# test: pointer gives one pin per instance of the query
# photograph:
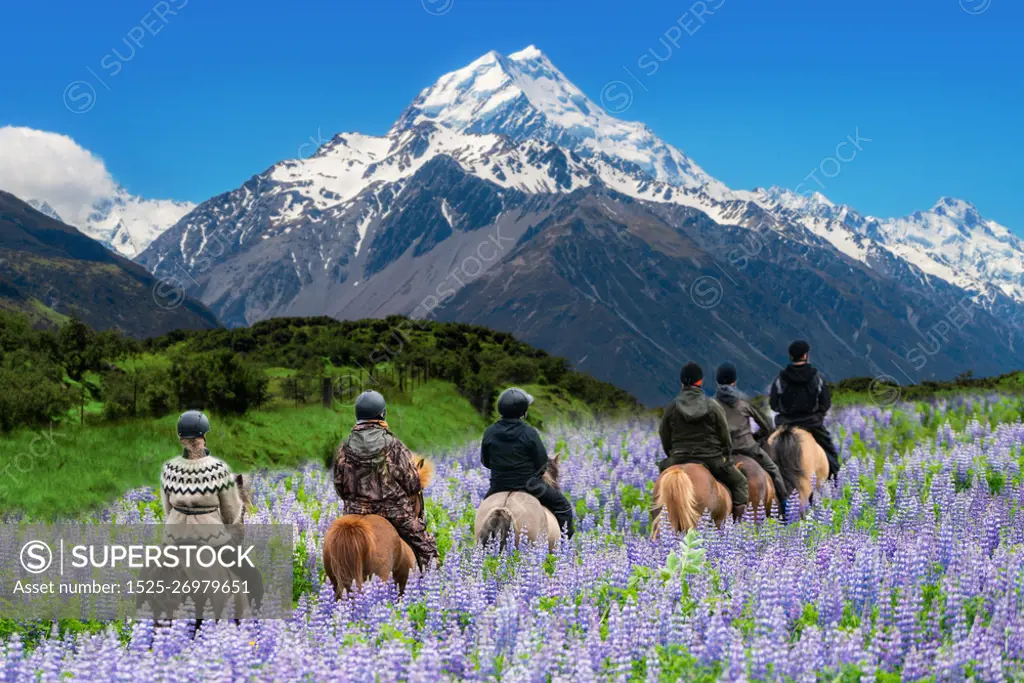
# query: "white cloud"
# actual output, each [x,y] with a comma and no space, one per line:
[36,164]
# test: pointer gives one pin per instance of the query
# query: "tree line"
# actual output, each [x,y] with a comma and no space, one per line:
[46,373]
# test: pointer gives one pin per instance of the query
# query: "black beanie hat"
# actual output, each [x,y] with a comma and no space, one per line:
[691,374]
[798,349]
[726,373]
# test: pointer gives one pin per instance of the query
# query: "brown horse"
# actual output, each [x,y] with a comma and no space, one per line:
[358,547]
[760,486]
[800,460]
[686,491]
[504,512]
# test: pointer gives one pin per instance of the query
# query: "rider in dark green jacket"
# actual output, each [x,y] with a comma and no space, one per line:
[694,430]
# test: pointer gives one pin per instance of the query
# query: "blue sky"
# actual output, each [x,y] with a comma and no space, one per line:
[759,95]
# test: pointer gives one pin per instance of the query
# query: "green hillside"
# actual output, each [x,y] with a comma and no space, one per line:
[88,416]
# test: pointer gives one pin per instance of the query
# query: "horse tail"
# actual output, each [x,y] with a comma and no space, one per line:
[497,525]
[788,455]
[424,468]
[677,494]
[347,550]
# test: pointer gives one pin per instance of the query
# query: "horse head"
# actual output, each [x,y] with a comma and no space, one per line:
[244,484]
[554,469]
[424,468]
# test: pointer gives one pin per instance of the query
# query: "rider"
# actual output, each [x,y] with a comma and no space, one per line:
[694,429]
[197,488]
[801,398]
[738,413]
[375,475]
[514,453]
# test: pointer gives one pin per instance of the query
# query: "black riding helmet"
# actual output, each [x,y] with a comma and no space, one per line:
[514,402]
[192,424]
[370,405]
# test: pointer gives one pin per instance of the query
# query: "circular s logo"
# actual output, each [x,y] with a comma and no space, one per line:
[884,391]
[706,291]
[79,97]
[616,97]
[36,557]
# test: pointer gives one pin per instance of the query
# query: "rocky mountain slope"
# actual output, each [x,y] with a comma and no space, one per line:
[504,196]
[50,270]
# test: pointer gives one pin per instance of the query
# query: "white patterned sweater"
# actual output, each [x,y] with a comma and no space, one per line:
[204,487]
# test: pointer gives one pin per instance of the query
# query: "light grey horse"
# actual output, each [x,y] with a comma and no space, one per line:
[520,513]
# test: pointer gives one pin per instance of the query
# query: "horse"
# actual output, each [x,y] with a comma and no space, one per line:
[761,489]
[358,547]
[687,490]
[520,512]
[800,459]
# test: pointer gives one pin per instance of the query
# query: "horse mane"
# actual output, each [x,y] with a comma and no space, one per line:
[425,469]
[787,450]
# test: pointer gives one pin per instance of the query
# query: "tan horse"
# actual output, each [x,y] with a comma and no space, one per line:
[800,459]
[358,547]
[520,513]
[686,491]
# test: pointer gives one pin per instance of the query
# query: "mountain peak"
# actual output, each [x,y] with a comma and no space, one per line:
[951,206]
[524,96]
[528,53]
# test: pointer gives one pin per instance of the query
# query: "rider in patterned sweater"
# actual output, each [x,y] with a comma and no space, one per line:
[801,398]
[375,475]
[197,488]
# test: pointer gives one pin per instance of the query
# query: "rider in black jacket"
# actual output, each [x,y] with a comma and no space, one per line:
[514,453]
[801,398]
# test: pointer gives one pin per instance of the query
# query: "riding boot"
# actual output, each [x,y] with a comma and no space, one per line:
[738,510]
[782,508]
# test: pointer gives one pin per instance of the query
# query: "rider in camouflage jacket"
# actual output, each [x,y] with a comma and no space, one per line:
[375,475]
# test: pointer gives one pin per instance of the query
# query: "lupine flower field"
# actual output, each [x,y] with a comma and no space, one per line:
[910,567]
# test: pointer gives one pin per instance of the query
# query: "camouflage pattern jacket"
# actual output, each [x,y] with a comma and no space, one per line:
[373,470]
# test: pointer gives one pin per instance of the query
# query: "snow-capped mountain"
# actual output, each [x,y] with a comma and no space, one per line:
[45,209]
[128,224]
[504,196]
[951,241]
[124,222]
[523,96]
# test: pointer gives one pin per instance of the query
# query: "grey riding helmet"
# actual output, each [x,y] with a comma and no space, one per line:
[514,402]
[192,424]
[370,405]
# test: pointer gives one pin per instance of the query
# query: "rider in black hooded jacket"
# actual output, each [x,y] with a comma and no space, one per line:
[801,398]
[514,453]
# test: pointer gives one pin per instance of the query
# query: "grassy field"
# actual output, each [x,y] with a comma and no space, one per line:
[70,469]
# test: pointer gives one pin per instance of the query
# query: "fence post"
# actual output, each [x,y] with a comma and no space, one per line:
[325,392]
